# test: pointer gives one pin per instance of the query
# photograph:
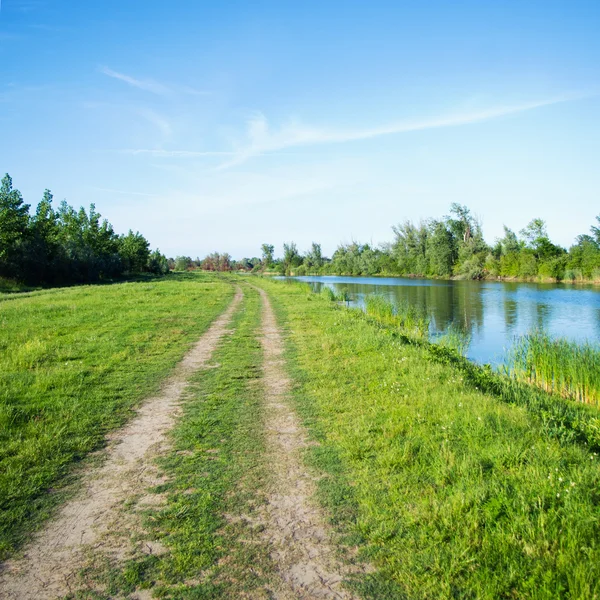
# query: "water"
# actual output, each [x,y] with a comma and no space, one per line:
[492,313]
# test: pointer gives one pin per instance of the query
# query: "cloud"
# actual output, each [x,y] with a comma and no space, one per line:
[261,138]
[173,153]
[156,120]
[122,192]
[150,85]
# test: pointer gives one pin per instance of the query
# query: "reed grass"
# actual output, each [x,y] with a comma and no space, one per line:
[557,366]
[456,339]
[409,319]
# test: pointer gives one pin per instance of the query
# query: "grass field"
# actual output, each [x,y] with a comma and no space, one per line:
[450,491]
[74,362]
[450,480]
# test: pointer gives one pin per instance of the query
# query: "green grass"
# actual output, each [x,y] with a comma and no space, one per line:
[449,490]
[74,362]
[215,468]
[559,366]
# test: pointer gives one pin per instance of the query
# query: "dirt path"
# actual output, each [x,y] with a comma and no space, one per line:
[51,562]
[294,527]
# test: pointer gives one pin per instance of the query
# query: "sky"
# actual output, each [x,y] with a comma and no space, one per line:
[219,126]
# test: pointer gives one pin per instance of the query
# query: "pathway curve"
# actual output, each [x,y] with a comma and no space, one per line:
[295,529]
[51,562]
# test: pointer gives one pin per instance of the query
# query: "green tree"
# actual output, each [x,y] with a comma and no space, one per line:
[14,227]
[314,257]
[441,249]
[183,263]
[158,263]
[267,255]
[291,257]
[134,250]
[409,248]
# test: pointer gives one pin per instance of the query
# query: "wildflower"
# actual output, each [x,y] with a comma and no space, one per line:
[558,495]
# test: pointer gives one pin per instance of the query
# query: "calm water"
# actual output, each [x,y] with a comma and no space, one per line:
[493,313]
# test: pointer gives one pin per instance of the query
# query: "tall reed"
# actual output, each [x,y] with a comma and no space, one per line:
[455,338]
[410,319]
[557,365]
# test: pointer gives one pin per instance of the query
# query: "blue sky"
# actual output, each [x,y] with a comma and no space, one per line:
[223,125]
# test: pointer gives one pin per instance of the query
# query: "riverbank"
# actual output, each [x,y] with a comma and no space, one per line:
[450,490]
[549,280]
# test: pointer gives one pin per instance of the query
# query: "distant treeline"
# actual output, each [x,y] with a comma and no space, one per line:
[65,245]
[452,246]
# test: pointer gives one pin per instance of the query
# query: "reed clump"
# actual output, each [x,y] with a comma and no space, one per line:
[406,317]
[328,294]
[557,366]
[456,339]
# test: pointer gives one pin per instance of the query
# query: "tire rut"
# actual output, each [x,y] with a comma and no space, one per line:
[295,528]
[50,563]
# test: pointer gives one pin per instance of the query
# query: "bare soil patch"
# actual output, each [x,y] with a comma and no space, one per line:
[49,566]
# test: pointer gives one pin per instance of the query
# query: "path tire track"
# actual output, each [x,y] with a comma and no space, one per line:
[295,528]
[52,560]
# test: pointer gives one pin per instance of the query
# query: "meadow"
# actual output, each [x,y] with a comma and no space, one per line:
[74,363]
[448,479]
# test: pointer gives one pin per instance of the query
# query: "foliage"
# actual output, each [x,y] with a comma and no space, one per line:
[65,246]
[454,247]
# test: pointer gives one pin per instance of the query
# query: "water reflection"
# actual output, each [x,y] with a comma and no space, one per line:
[491,313]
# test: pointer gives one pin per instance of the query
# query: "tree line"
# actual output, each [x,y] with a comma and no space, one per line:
[452,246]
[63,245]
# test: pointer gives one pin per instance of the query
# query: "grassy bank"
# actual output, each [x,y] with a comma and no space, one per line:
[213,475]
[74,363]
[449,490]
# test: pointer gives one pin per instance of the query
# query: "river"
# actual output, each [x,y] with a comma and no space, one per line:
[492,313]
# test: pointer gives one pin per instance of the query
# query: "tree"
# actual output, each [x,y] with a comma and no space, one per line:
[158,263]
[409,249]
[314,257]
[291,257]
[267,255]
[183,263]
[536,238]
[134,250]
[14,223]
[464,226]
[441,249]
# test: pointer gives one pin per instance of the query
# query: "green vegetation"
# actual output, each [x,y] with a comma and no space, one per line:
[437,469]
[215,468]
[73,364]
[453,246]
[57,247]
[406,317]
[558,365]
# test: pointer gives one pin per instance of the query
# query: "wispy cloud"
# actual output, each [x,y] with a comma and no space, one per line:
[148,85]
[173,153]
[261,138]
[157,120]
[151,85]
[122,192]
